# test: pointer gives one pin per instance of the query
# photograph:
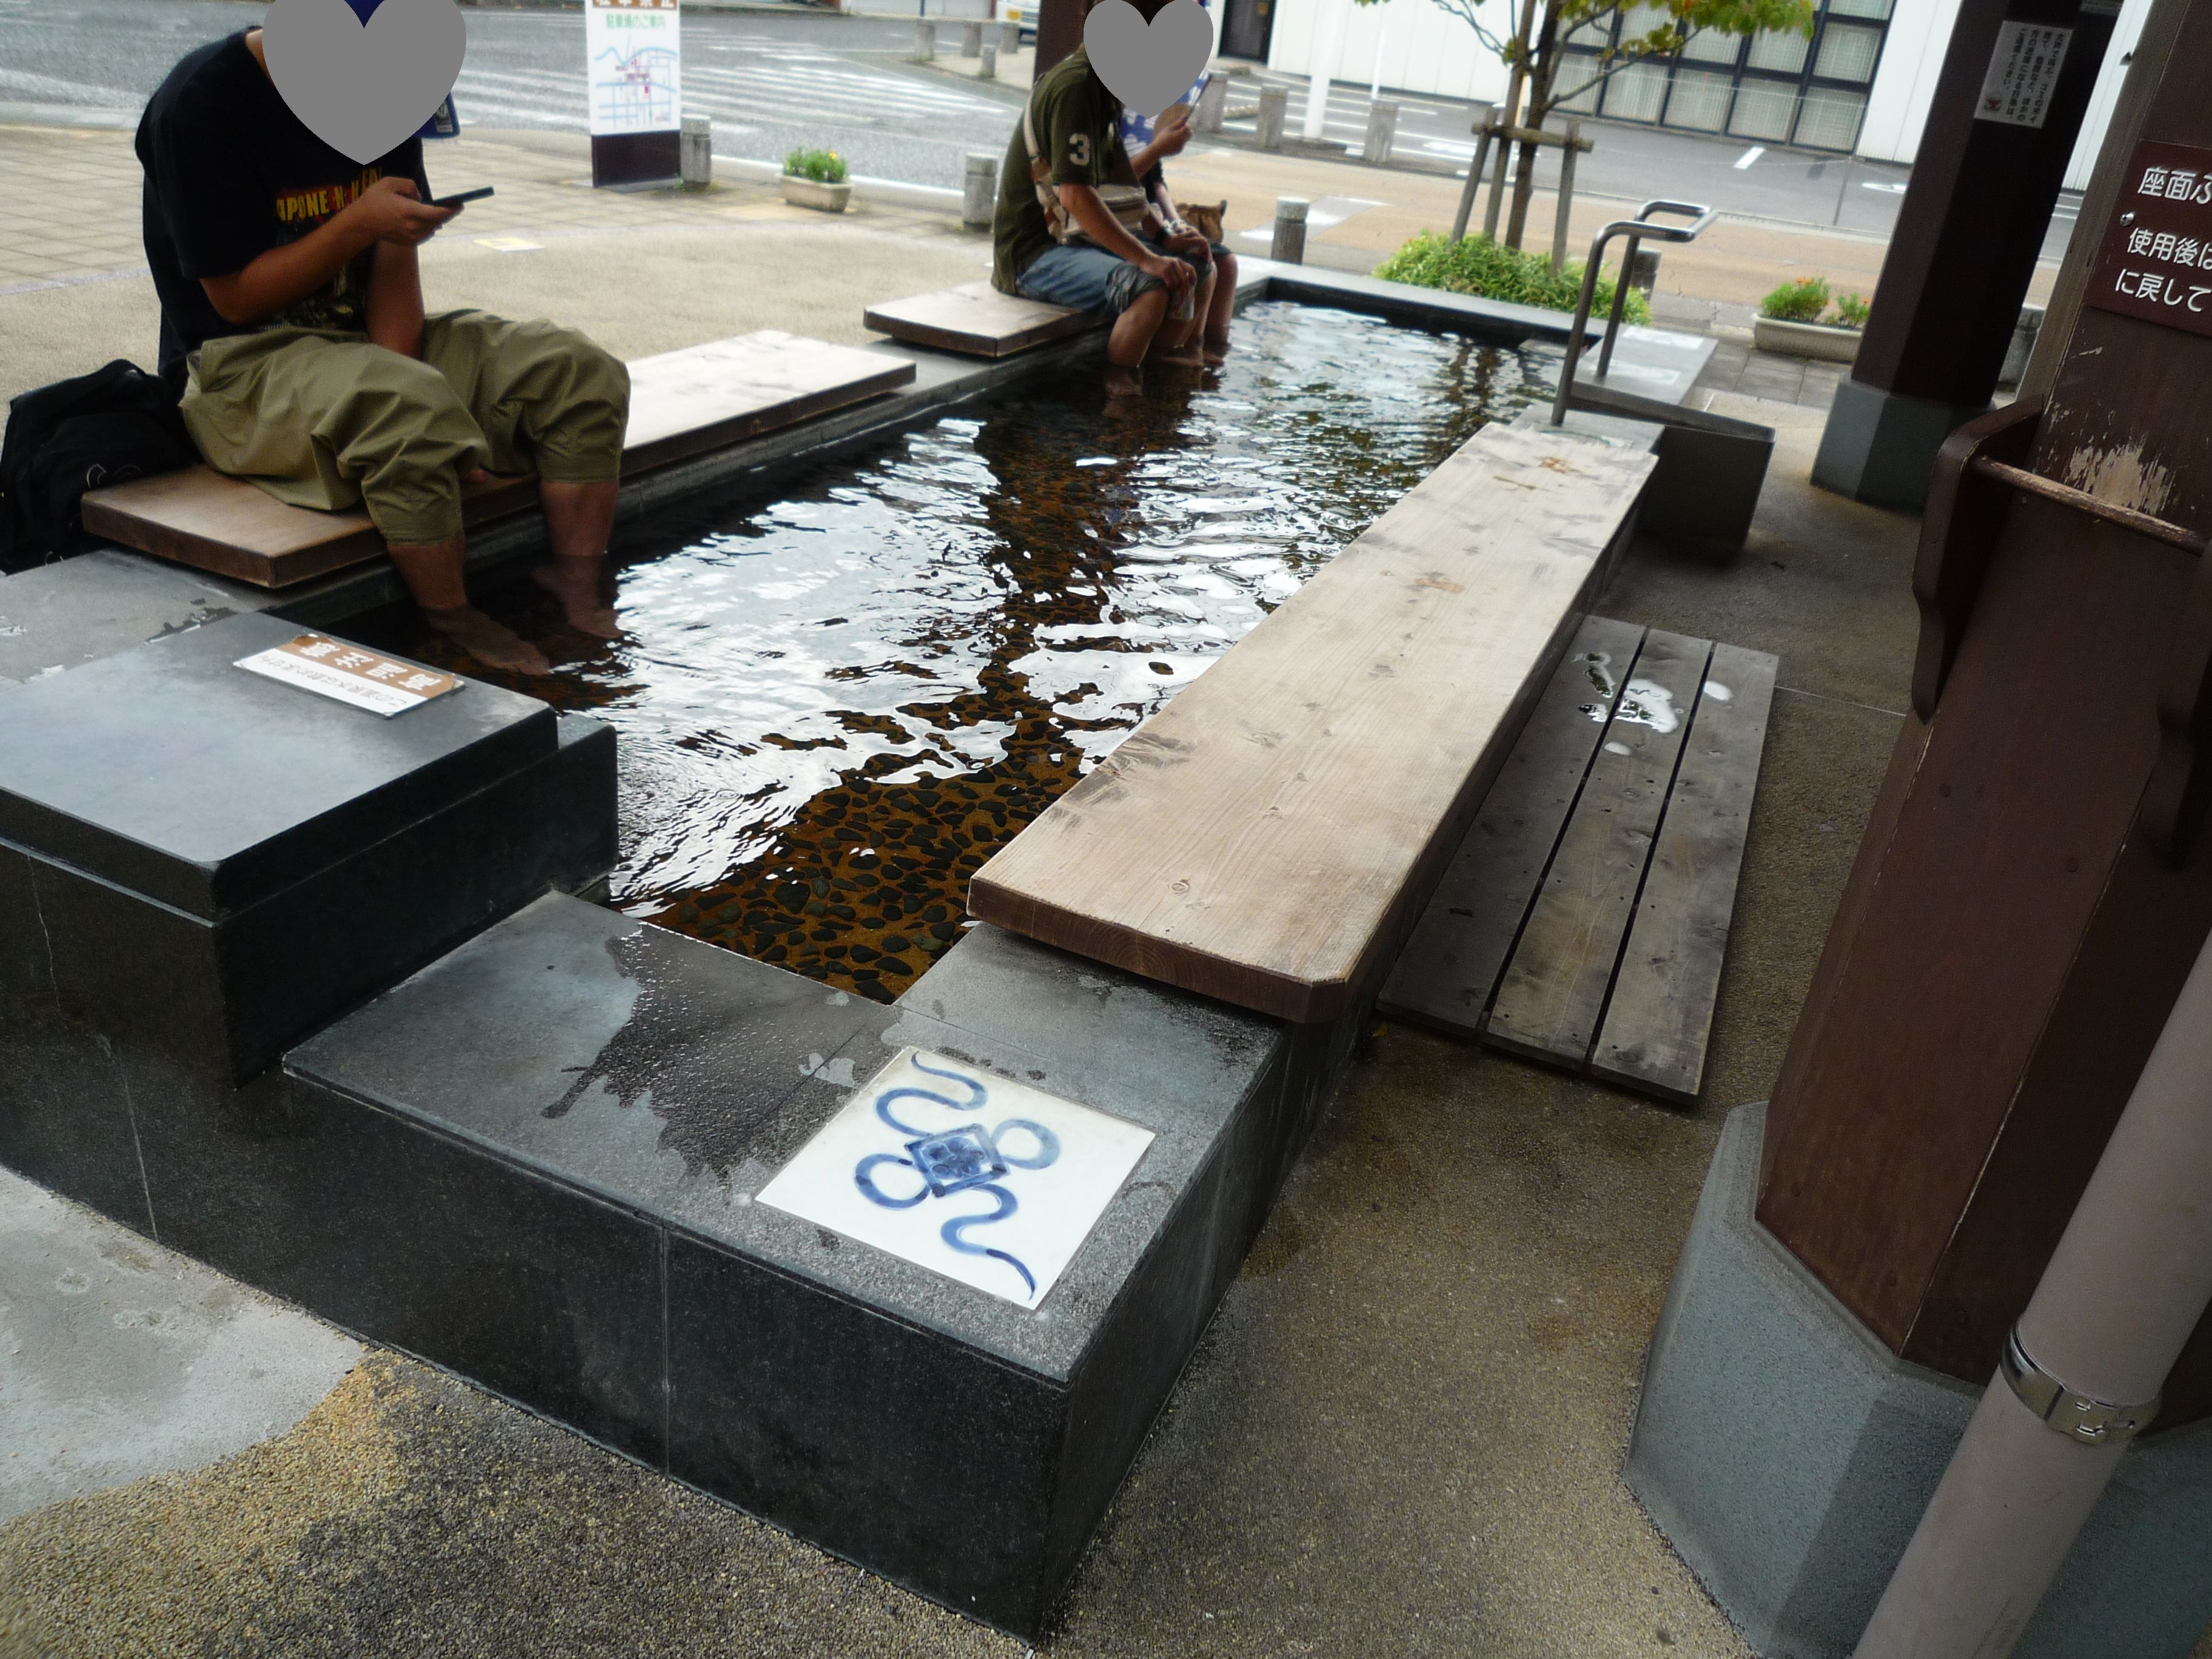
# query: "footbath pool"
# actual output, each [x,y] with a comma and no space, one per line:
[834,705]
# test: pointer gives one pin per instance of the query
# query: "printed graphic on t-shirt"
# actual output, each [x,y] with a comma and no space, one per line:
[342,303]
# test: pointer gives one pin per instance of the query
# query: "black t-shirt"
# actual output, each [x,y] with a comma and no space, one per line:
[231,173]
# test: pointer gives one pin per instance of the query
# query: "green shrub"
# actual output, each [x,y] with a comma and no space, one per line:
[823,167]
[1851,310]
[1800,301]
[1479,266]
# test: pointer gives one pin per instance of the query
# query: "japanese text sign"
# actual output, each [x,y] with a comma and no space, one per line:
[2156,263]
[2023,72]
[633,57]
[351,674]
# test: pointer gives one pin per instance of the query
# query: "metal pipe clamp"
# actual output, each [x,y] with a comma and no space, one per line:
[2077,1416]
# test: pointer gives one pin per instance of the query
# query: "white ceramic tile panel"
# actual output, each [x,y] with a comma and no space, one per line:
[969,1174]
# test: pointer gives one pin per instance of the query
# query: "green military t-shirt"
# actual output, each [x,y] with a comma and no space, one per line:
[1078,125]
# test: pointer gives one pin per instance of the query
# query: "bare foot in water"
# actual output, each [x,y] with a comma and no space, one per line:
[490,643]
[1216,351]
[1123,382]
[577,590]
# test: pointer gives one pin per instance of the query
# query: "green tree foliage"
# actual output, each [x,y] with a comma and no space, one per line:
[1479,266]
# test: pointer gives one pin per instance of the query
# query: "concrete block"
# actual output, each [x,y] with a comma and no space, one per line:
[944,1437]
[269,855]
[1787,1455]
[1880,446]
[59,615]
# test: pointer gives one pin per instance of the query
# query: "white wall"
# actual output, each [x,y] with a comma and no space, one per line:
[1912,56]
[1425,49]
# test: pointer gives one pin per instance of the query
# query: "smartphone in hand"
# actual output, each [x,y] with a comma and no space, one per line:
[465,196]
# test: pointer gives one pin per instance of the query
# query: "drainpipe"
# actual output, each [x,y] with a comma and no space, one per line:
[2081,1371]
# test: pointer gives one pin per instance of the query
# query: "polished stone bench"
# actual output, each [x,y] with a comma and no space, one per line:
[976,320]
[683,404]
[1269,837]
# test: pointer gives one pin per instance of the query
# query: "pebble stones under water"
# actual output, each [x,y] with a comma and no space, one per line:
[835,706]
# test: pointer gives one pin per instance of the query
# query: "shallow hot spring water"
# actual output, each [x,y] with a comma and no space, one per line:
[834,707]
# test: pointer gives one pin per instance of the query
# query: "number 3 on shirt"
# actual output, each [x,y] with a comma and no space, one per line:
[1078,149]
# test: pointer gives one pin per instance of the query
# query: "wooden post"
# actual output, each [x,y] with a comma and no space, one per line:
[1559,225]
[1485,116]
[1510,116]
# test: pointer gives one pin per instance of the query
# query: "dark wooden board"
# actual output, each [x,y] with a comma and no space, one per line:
[1661,1011]
[1554,993]
[1258,839]
[682,403]
[976,319]
[1445,974]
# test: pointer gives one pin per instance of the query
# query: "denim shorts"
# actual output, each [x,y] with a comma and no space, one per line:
[1088,278]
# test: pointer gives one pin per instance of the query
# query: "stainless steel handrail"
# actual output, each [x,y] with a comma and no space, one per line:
[1636,230]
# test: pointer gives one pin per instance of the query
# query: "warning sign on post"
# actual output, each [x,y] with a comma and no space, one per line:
[2023,74]
[332,668]
[2156,262]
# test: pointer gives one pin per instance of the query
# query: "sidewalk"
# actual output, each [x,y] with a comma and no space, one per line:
[642,272]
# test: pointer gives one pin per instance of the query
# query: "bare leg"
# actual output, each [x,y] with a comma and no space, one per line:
[432,571]
[578,518]
[1175,342]
[1218,317]
[1132,337]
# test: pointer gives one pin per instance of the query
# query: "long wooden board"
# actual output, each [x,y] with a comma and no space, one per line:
[976,319]
[1660,1014]
[1445,974]
[1550,1001]
[1263,837]
[682,403]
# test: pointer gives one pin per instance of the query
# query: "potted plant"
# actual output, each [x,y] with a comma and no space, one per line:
[816,178]
[1790,321]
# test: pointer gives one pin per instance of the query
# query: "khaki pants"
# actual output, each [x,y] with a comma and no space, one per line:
[326,420]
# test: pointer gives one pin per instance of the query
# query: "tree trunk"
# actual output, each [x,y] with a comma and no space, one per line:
[1543,73]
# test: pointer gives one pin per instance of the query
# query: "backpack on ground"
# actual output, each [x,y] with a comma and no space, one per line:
[106,428]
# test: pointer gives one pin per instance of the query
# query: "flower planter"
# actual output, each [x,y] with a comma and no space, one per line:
[1828,343]
[805,193]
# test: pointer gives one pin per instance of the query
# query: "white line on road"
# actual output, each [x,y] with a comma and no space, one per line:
[1749,156]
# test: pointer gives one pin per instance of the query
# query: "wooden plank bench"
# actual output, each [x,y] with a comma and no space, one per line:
[1268,837]
[977,320]
[682,404]
[1585,920]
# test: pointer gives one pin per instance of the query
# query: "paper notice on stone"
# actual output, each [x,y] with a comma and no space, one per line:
[351,674]
[2023,74]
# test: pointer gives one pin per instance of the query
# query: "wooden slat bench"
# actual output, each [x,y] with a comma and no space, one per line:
[1584,919]
[977,320]
[1266,838]
[682,404]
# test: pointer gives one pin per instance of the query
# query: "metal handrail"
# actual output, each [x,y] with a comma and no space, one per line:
[1636,230]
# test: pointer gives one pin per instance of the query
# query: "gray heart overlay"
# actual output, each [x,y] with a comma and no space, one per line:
[361,89]
[1146,66]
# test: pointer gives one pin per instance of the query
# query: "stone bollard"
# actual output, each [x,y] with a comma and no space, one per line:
[1010,37]
[1381,134]
[925,42]
[971,37]
[990,70]
[1212,104]
[695,157]
[1290,246]
[980,198]
[1273,102]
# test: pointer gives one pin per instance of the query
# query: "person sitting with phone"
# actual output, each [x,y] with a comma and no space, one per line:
[1057,237]
[293,326]
[1158,139]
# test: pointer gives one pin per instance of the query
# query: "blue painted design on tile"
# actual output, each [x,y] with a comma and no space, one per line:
[968,1159]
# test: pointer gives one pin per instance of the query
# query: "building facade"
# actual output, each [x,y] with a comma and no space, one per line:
[1859,86]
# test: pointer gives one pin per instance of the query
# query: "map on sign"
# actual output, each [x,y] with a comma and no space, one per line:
[351,674]
[2156,262]
[634,64]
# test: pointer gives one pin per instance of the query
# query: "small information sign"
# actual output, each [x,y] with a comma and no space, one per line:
[2156,262]
[633,55]
[2023,73]
[383,685]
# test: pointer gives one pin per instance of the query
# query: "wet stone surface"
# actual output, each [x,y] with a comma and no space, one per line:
[832,709]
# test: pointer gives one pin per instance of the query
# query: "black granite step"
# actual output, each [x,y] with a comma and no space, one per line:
[626,1092]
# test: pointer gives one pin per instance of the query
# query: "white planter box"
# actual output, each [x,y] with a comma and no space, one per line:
[805,193]
[1830,345]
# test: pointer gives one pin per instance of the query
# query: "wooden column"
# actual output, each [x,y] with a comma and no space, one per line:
[1060,31]
[2036,879]
[1964,251]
